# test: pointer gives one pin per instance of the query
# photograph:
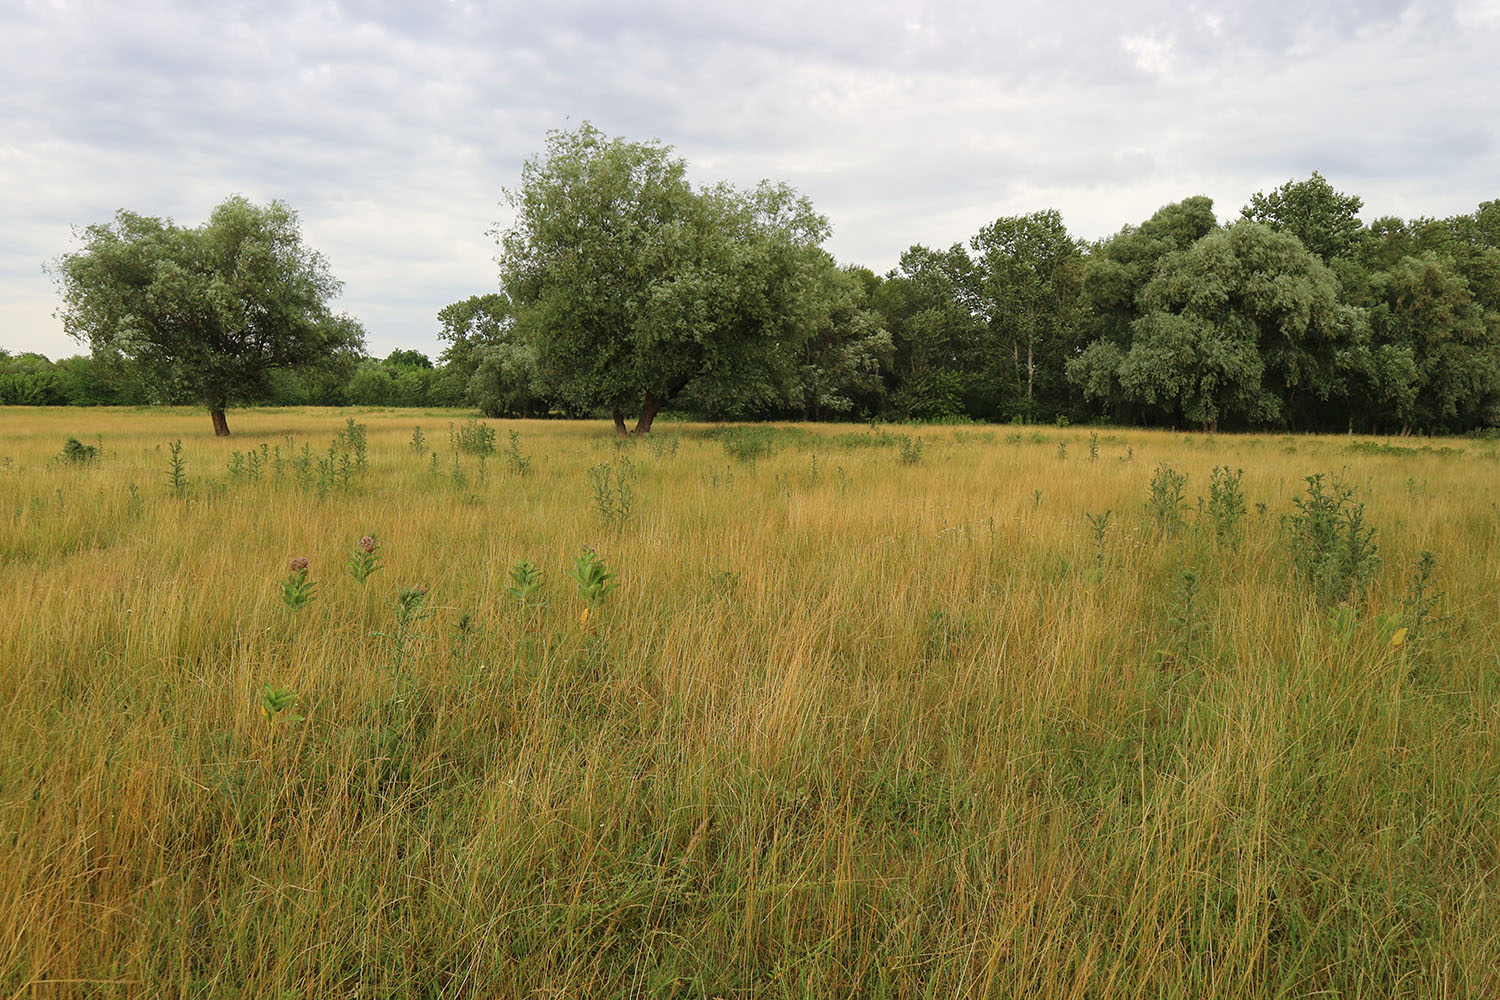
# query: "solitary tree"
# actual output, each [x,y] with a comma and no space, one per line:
[632,286]
[207,313]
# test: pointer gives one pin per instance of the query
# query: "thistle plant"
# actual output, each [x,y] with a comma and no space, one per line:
[1099,527]
[1226,502]
[176,470]
[364,558]
[296,588]
[409,608]
[911,450]
[1165,498]
[594,581]
[614,490]
[275,700]
[519,463]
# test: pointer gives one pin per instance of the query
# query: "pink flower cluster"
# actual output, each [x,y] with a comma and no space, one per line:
[299,563]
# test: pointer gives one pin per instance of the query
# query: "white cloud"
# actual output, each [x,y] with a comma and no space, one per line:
[393,127]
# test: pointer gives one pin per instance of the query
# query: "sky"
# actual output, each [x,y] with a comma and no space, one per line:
[393,128]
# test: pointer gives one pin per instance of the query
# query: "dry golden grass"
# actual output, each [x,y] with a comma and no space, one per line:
[882,730]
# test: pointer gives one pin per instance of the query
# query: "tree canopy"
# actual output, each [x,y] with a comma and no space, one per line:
[633,287]
[207,313]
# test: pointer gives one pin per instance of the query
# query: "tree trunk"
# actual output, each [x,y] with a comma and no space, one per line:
[620,429]
[649,409]
[1030,378]
[221,423]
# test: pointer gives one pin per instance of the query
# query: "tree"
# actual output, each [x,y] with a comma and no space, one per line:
[1235,326]
[843,362]
[632,286]
[1115,273]
[1030,286]
[487,357]
[1425,312]
[945,363]
[404,358]
[206,313]
[1325,220]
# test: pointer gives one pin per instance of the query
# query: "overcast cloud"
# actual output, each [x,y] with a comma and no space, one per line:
[392,127]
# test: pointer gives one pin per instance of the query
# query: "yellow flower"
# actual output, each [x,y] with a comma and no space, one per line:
[1399,637]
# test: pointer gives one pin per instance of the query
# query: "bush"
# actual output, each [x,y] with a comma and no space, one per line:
[76,451]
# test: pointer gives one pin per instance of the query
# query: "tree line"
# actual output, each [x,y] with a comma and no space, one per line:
[624,290]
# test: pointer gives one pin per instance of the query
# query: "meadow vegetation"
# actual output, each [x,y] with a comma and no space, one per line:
[339,707]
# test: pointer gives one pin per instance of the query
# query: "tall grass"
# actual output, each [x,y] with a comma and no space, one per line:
[851,727]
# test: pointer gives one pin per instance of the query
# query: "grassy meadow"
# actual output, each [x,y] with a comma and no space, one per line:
[861,718]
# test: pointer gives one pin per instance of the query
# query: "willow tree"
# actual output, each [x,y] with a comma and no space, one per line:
[633,286]
[207,313]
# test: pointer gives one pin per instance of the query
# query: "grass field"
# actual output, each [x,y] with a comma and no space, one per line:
[857,721]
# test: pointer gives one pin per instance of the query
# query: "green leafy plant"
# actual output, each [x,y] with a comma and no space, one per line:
[77,452]
[462,635]
[1164,499]
[519,464]
[364,558]
[297,591]
[525,581]
[1334,550]
[473,438]
[176,470]
[1226,502]
[663,445]
[1099,526]
[594,582]
[911,450]
[613,488]
[274,701]
[1418,613]
[418,443]
[410,610]
[749,444]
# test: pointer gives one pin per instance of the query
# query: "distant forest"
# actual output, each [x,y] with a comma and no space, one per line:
[1295,316]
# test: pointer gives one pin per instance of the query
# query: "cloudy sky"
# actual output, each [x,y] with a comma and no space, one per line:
[392,127]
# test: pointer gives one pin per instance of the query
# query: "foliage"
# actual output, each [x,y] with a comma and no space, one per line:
[76,452]
[176,470]
[1164,501]
[612,485]
[525,581]
[1334,549]
[911,450]
[631,286]
[473,438]
[1226,501]
[364,558]
[297,591]
[206,313]
[274,701]
[593,578]
[1325,221]
[519,464]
